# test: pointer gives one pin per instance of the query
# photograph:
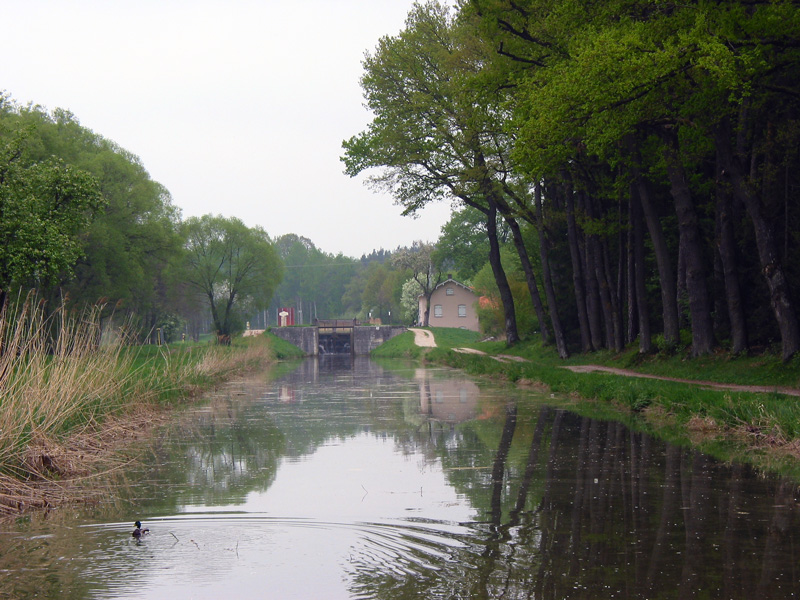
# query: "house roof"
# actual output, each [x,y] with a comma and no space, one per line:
[450,280]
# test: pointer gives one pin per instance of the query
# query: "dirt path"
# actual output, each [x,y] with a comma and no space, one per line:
[765,389]
[423,338]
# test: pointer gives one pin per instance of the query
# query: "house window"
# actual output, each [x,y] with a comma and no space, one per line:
[437,310]
[450,291]
[462,310]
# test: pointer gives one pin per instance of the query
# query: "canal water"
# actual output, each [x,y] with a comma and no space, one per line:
[348,478]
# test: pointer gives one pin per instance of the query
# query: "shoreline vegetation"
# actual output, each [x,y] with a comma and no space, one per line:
[72,393]
[758,427]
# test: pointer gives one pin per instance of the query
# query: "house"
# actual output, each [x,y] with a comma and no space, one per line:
[453,304]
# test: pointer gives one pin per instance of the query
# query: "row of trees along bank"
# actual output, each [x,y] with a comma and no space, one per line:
[643,157]
[81,220]
[84,225]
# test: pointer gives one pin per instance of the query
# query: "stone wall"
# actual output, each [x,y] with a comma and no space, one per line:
[305,338]
[367,338]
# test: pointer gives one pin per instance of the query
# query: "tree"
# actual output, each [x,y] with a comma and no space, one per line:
[463,246]
[129,244]
[419,261]
[235,267]
[314,281]
[43,208]
[409,301]
[435,134]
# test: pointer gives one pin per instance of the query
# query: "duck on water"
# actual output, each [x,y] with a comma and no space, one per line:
[139,532]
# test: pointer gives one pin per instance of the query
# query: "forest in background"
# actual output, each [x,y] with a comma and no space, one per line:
[625,172]
[83,223]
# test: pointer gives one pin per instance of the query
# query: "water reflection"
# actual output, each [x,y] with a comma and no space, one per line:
[349,479]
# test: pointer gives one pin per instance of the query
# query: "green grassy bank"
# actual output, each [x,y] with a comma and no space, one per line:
[763,428]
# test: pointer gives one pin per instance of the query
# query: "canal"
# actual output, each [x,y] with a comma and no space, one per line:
[347,478]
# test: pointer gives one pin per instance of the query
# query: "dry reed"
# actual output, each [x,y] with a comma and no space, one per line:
[70,392]
[56,380]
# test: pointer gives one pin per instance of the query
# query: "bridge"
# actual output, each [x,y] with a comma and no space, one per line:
[338,336]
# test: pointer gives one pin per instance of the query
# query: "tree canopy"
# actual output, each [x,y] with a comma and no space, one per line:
[236,268]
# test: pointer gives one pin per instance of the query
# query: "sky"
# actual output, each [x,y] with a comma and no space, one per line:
[237,107]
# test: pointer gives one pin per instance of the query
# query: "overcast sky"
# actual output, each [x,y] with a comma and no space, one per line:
[238,107]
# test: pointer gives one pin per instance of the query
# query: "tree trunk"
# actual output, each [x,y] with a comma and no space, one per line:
[771,268]
[726,250]
[640,290]
[512,335]
[530,277]
[592,292]
[632,329]
[666,275]
[607,290]
[691,247]
[552,304]
[577,270]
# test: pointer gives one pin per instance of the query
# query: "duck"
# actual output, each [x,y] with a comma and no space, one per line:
[139,531]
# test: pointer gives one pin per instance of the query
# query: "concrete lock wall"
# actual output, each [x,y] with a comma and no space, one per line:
[305,338]
[365,339]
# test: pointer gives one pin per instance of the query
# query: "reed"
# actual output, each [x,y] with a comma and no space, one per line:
[56,378]
[70,391]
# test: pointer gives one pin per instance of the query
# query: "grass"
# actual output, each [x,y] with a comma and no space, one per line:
[403,345]
[400,346]
[65,397]
[282,349]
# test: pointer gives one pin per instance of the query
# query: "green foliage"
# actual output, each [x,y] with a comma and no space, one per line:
[44,206]
[313,280]
[234,267]
[463,246]
[120,250]
[490,314]
[409,301]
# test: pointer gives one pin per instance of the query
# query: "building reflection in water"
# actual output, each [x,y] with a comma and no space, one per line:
[447,400]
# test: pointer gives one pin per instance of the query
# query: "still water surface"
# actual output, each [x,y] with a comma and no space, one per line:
[349,479]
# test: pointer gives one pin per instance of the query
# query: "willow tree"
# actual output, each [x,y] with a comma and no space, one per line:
[236,268]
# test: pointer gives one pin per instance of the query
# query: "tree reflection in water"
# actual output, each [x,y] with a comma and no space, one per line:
[594,510]
[328,464]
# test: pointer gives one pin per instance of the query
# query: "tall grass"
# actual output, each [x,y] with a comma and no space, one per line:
[68,389]
[55,378]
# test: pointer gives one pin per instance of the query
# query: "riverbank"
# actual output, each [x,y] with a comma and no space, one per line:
[45,463]
[733,407]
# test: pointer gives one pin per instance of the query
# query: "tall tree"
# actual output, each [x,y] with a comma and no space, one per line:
[435,135]
[44,207]
[235,267]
